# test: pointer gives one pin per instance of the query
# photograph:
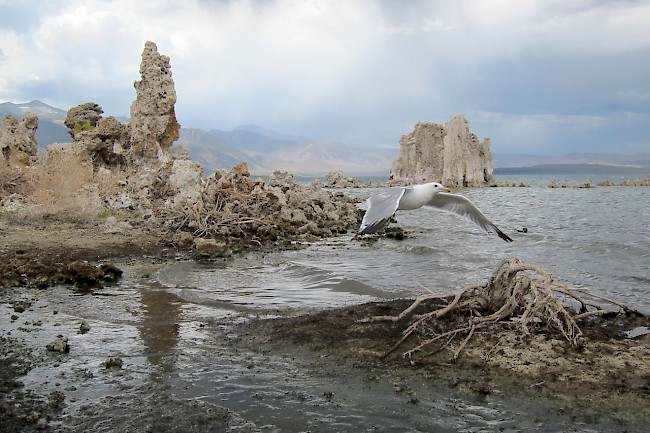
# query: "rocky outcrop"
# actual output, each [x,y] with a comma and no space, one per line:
[18,140]
[186,183]
[134,174]
[153,126]
[149,134]
[449,154]
[103,140]
[336,179]
[83,117]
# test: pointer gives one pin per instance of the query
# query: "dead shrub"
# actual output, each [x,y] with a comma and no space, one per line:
[61,187]
[517,295]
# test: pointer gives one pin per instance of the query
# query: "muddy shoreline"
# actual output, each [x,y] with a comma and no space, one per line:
[607,378]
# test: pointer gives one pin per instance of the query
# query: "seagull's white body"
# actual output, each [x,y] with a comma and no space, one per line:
[383,205]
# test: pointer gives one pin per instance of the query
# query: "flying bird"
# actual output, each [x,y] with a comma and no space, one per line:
[383,205]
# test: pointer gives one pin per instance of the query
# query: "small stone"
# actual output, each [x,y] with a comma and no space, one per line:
[113,362]
[84,327]
[59,344]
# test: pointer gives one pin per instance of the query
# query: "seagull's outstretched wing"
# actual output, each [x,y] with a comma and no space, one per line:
[381,207]
[462,206]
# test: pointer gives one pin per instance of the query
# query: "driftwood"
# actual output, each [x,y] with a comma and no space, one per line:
[517,293]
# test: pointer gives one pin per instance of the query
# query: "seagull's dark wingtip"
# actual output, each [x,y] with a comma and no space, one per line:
[504,236]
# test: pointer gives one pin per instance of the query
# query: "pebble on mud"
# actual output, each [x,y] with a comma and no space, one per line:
[59,344]
[84,327]
[113,362]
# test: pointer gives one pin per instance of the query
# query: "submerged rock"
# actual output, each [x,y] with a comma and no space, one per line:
[84,327]
[211,249]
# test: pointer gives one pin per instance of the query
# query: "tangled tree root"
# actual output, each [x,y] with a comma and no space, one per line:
[518,294]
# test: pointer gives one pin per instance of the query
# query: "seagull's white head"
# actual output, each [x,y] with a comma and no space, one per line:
[437,187]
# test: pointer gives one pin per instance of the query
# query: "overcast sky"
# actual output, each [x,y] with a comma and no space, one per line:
[544,77]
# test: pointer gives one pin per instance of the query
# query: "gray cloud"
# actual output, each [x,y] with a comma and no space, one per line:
[535,76]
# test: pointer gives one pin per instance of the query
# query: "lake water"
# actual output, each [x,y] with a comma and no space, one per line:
[598,238]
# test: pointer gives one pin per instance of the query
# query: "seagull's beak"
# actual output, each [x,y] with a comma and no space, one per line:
[446,189]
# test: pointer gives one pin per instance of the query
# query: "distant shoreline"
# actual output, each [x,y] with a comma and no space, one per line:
[572,169]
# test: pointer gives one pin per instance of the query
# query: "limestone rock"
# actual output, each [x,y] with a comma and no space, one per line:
[84,327]
[85,275]
[448,153]
[282,179]
[183,239]
[153,125]
[18,146]
[113,362]
[186,182]
[102,140]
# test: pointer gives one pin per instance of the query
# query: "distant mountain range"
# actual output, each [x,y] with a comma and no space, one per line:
[573,162]
[265,150]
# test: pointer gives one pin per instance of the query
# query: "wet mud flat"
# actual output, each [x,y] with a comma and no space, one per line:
[608,377]
[322,371]
[149,362]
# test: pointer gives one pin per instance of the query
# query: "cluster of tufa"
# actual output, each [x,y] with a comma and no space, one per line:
[232,206]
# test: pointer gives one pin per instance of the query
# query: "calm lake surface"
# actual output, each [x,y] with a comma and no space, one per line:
[598,238]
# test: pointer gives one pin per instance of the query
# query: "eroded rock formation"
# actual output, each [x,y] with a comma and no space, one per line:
[83,117]
[104,140]
[150,132]
[336,179]
[153,124]
[18,140]
[448,153]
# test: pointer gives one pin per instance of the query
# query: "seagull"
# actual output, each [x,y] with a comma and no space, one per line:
[383,205]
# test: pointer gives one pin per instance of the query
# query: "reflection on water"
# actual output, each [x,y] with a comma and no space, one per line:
[159,327]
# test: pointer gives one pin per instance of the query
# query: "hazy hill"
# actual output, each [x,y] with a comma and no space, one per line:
[573,169]
[257,139]
[525,160]
[272,150]
[213,152]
